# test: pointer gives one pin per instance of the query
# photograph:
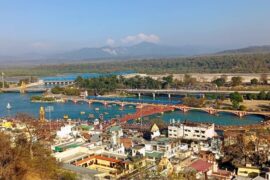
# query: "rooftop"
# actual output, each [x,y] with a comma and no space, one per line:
[201,165]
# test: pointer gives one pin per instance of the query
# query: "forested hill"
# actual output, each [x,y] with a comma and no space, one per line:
[243,63]
[251,50]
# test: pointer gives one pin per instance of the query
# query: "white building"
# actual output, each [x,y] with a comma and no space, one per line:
[116,132]
[155,131]
[165,146]
[191,131]
[66,132]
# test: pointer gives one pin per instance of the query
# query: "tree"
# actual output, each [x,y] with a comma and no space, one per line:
[193,101]
[168,81]
[262,95]
[219,82]
[236,98]
[16,162]
[254,81]
[236,81]
[268,95]
[264,78]
[251,96]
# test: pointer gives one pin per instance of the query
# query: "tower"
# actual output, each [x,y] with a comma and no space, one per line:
[22,88]
[41,114]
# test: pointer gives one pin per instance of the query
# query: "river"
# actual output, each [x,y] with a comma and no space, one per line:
[21,104]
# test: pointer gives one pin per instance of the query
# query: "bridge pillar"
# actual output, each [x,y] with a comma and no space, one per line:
[139,95]
[212,111]
[241,113]
[169,96]
[154,95]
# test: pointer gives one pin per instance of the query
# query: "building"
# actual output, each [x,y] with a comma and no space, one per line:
[116,132]
[245,171]
[203,168]
[112,165]
[162,147]
[191,131]
[155,131]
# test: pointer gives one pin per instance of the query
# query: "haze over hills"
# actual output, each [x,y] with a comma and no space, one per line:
[143,50]
[250,49]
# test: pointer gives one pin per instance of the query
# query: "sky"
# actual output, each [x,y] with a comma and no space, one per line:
[46,26]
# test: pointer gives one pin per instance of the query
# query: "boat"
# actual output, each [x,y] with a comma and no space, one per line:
[101,116]
[8,106]
[97,109]
[91,116]
[82,112]
[65,116]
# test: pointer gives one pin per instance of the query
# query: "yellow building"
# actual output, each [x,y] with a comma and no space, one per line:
[7,125]
[111,166]
[245,171]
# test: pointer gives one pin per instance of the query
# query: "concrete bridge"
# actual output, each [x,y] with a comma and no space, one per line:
[213,111]
[104,102]
[183,108]
[170,92]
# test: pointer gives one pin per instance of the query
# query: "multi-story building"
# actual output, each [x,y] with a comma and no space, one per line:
[191,131]
[163,147]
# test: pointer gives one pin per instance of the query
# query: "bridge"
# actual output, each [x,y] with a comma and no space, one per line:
[31,87]
[170,92]
[161,108]
[213,111]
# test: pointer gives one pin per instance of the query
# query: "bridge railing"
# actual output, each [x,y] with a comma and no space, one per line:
[134,100]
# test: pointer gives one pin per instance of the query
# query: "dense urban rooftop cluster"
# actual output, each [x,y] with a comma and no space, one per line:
[184,151]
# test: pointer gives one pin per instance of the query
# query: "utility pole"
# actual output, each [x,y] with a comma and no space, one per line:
[49,109]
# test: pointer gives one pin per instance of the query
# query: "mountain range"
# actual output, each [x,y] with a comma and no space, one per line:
[138,51]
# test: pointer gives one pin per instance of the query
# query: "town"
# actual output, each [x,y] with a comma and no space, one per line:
[133,147]
[134,90]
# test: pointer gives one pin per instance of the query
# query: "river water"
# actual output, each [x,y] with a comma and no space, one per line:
[21,104]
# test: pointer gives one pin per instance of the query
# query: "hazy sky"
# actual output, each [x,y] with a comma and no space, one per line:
[57,25]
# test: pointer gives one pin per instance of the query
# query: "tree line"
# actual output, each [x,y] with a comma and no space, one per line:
[236,63]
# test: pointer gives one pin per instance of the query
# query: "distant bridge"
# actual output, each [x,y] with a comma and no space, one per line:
[25,88]
[170,92]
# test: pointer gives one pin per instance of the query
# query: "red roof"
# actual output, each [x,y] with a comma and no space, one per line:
[201,165]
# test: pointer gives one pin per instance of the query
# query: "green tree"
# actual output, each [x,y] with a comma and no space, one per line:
[254,81]
[262,95]
[219,82]
[236,98]
[268,95]
[236,81]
